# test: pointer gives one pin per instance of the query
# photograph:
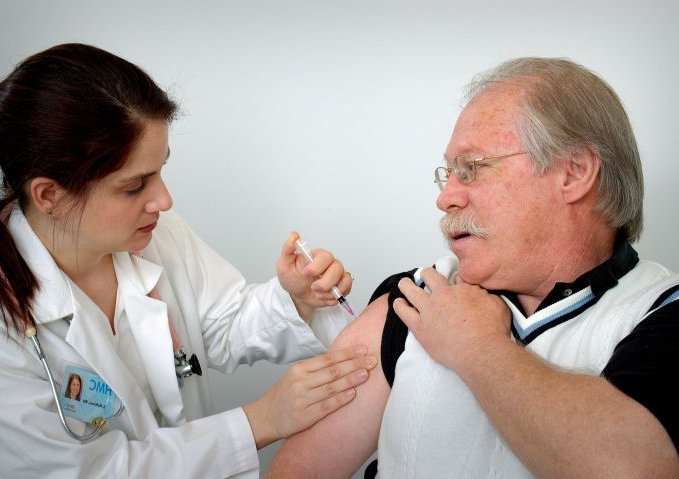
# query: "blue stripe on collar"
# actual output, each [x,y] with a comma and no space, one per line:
[673,297]
[526,329]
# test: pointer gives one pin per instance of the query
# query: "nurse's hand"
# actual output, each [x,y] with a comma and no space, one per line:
[310,390]
[310,284]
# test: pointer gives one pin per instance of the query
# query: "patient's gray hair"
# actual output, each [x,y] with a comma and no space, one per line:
[567,107]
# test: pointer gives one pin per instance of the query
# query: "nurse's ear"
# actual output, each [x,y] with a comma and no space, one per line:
[46,194]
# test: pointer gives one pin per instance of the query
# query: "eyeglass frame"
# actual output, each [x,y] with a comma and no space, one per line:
[470,166]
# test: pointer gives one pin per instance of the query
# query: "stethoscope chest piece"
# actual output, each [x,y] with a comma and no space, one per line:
[185,367]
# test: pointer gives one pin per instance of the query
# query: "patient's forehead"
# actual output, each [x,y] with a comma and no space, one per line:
[488,124]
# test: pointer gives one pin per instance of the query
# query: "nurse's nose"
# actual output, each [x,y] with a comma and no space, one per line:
[161,201]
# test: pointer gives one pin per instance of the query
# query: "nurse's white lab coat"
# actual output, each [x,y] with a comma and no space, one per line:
[217,316]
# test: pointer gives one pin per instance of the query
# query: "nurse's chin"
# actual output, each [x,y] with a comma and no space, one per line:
[140,242]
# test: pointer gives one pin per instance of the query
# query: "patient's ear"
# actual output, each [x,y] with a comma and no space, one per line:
[580,174]
[46,194]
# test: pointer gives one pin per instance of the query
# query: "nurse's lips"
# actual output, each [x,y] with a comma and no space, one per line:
[148,228]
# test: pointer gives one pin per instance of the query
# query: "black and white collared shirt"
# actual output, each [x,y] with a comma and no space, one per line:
[644,363]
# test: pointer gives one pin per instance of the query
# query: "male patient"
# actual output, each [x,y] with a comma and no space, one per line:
[551,350]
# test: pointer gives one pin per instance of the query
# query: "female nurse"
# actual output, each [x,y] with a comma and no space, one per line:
[114,283]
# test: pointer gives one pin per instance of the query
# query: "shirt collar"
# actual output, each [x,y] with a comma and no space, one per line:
[600,279]
[53,299]
[568,300]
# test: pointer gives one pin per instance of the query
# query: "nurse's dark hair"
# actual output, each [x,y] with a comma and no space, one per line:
[71,113]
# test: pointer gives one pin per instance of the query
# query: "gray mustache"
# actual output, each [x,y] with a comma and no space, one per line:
[451,224]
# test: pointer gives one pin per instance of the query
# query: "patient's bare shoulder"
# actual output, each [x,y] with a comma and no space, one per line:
[366,328]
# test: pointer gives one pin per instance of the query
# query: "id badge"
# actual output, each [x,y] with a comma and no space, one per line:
[86,397]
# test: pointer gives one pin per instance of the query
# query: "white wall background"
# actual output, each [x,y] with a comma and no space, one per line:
[329,117]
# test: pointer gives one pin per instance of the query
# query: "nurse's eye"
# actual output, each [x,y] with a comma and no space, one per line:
[138,189]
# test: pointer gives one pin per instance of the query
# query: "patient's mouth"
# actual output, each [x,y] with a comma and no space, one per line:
[459,235]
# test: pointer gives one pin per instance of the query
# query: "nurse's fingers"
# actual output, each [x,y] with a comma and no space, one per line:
[338,377]
[288,248]
[332,395]
[317,411]
[328,297]
[346,283]
[334,371]
[327,390]
[289,254]
[333,275]
[328,359]
[321,260]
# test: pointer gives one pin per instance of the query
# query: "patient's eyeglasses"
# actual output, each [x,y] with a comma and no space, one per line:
[464,168]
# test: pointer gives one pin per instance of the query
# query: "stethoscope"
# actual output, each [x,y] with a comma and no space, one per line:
[183,368]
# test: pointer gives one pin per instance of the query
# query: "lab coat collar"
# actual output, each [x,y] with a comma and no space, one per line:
[53,298]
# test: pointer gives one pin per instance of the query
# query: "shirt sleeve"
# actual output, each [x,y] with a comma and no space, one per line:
[395,331]
[645,366]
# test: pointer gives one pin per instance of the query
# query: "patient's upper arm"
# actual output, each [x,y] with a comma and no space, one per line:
[338,445]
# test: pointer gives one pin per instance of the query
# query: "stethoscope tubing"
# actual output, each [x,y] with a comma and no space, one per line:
[32,334]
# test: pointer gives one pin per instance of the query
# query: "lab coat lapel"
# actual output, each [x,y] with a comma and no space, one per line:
[148,319]
[90,336]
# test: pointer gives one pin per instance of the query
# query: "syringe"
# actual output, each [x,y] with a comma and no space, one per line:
[302,248]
